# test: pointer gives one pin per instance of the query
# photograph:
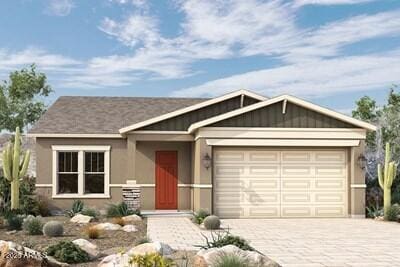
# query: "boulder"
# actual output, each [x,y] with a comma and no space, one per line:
[122,259]
[115,260]
[108,226]
[14,255]
[129,228]
[79,218]
[132,218]
[154,247]
[89,247]
[211,256]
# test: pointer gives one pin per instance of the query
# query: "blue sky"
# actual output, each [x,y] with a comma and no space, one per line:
[328,51]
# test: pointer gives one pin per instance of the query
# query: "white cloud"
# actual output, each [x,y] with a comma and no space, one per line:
[10,60]
[310,79]
[329,2]
[59,7]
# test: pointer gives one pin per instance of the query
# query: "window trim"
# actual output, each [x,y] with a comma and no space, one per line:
[81,170]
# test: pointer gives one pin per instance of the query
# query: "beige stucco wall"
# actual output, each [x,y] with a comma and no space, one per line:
[145,170]
[118,156]
[357,177]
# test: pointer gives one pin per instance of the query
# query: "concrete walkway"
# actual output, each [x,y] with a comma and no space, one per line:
[299,242]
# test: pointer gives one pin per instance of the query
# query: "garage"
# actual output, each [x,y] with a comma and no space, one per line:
[264,183]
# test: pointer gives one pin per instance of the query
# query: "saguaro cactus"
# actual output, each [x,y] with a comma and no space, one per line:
[386,177]
[14,168]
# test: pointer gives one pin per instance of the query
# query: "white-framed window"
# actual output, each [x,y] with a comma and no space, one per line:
[81,171]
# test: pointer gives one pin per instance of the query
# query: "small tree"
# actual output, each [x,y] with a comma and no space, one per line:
[13,168]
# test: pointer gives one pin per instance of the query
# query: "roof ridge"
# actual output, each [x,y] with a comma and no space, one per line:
[132,97]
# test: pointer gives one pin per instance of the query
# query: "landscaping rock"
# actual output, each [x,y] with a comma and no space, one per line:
[131,218]
[108,226]
[122,259]
[210,257]
[79,218]
[154,247]
[89,247]
[129,228]
[14,255]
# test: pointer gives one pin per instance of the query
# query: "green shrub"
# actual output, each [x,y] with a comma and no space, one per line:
[33,225]
[373,212]
[28,203]
[66,251]
[199,216]
[150,260]
[392,213]
[212,222]
[231,260]
[14,222]
[53,228]
[224,238]
[90,212]
[77,207]
[120,210]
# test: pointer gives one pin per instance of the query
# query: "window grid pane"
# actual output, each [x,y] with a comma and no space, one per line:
[94,173]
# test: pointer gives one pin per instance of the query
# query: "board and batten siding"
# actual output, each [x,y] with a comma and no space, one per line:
[182,122]
[272,116]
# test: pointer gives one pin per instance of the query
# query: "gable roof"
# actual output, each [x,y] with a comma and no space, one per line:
[71,115]
[191,108]
[291,99]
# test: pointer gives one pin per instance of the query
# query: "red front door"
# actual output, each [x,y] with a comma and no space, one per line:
[166,180]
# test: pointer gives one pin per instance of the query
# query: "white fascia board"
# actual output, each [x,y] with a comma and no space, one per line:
[191,108]
[46,135]
[283,142]
[277,99]
[279,133]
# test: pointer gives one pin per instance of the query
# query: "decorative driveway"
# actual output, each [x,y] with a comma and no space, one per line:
[299,242]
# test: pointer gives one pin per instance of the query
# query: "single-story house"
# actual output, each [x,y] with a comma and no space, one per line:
[240,155]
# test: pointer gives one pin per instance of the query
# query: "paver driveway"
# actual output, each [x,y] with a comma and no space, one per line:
[299,242]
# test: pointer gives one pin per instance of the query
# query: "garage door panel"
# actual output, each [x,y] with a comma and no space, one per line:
[329,171]
[287,183]
[330,156]
[325,211]
[264,157]
[264,170]
[296,184]
[296,156]
[229,156]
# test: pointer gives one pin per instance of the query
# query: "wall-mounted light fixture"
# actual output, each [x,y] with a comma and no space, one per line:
[207,161]
[362,161]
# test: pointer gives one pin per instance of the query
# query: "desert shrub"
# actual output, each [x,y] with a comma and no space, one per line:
[76,208]
[118,220]
[231,260]
[28,203]
[373,212]
[33,225]
[53,228]
[90,212]
[93,232]
[212,222]
[66,251]
[220,239]
[43,206]
[392,213]
[14,221]
[120,210]
[199,216]
[150,260]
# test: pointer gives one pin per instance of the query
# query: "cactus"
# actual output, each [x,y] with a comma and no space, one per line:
[386,177]
[53,228]
[13,168]
[212,222]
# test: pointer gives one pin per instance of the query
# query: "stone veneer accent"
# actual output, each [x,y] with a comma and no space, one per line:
[131,196]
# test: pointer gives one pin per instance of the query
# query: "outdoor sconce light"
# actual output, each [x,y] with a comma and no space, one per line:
[362,161]
[207,161]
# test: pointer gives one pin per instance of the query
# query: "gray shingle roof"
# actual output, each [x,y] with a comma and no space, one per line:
[104,115]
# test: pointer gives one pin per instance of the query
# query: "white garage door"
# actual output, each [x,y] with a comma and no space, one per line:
[251,183]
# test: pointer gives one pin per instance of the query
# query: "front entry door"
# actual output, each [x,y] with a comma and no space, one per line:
[166,180]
